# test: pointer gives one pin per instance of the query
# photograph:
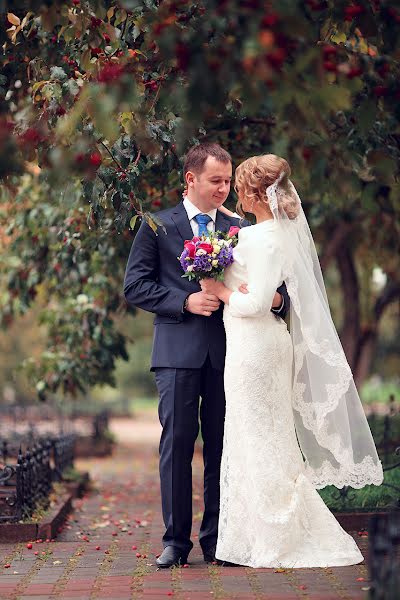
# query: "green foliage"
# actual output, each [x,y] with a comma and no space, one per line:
[378,423]
[369,497]
[372,392]
[98,101]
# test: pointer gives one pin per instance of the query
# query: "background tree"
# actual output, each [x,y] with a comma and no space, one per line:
[100,100]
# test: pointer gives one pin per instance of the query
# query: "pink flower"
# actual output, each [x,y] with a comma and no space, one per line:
[207,247]
[233,231]
[191,248]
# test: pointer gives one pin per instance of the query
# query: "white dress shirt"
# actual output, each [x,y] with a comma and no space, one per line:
[193,211]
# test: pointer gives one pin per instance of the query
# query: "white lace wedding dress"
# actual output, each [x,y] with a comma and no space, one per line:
[270,514]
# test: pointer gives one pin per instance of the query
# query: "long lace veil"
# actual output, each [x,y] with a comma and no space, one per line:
[331,426]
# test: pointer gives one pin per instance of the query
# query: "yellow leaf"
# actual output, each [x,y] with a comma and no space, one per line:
[120,16]
[14,35]
[127,122]
[110,12]
[335,97]
[132,222]
[36,86]
[339,38]
[151,224]
[26,19]
[85,59]
[13,19]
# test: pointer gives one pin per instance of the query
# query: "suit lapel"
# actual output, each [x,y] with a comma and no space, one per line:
[221,222]
[180,218]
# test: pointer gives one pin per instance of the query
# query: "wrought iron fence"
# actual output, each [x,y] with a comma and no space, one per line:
[26,476]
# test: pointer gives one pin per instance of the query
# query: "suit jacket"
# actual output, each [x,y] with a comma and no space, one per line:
[154,282]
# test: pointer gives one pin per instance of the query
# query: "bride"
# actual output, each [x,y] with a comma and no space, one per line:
[294,421]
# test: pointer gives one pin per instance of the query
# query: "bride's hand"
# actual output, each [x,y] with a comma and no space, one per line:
[226,211]
[211,286]
[243,288]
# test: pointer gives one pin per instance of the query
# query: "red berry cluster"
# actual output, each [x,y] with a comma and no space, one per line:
[88,161]
[329,53]
[95,51]
[182,56]
[315,5]
[380,90]
[31,137]
[95,23]
[276,58]
[394,13]
[110,72]
[270,20]
[70,61]
[354,72]
[152,85]
[352,11]
[167,22]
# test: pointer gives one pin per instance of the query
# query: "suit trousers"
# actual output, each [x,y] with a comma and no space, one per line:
[180,391]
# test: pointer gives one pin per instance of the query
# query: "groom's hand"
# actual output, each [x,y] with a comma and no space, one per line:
[201,303]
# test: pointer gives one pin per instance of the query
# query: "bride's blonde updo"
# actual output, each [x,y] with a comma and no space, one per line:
[254,175]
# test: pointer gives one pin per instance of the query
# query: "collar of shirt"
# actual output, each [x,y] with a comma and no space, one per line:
[192,210]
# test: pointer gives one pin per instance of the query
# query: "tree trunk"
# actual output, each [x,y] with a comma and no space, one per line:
[359,344]
[369,338]
[350,333]
[336,240]
[365,354]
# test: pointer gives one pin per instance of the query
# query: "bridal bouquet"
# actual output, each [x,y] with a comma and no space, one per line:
[208,256]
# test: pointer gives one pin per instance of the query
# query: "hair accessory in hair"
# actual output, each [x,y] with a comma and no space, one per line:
[271,191]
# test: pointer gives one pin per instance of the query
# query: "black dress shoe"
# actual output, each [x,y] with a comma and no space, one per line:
[171,557]
[209,554]
[209,557]
[226,563]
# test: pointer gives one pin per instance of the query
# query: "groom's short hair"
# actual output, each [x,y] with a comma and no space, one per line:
[197,156]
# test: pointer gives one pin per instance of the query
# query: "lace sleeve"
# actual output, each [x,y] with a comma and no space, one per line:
[263,261]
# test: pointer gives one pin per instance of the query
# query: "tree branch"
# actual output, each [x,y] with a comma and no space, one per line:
[121,168]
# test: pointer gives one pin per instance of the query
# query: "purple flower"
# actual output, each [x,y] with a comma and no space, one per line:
[214,258]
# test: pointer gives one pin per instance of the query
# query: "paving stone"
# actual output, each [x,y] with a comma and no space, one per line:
[122,511]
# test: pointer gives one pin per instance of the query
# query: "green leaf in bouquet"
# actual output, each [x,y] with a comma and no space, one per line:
[132,222]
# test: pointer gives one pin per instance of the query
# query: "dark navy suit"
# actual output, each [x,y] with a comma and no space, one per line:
[188,359]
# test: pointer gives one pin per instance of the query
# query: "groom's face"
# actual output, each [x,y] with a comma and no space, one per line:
[210,188]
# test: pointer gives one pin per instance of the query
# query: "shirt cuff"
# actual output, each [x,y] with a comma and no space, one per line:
[183,305]
[278,310]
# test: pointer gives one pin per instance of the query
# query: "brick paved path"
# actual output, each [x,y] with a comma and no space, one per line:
[108,548]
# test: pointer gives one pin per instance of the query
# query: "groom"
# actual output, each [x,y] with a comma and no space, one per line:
[188,348]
